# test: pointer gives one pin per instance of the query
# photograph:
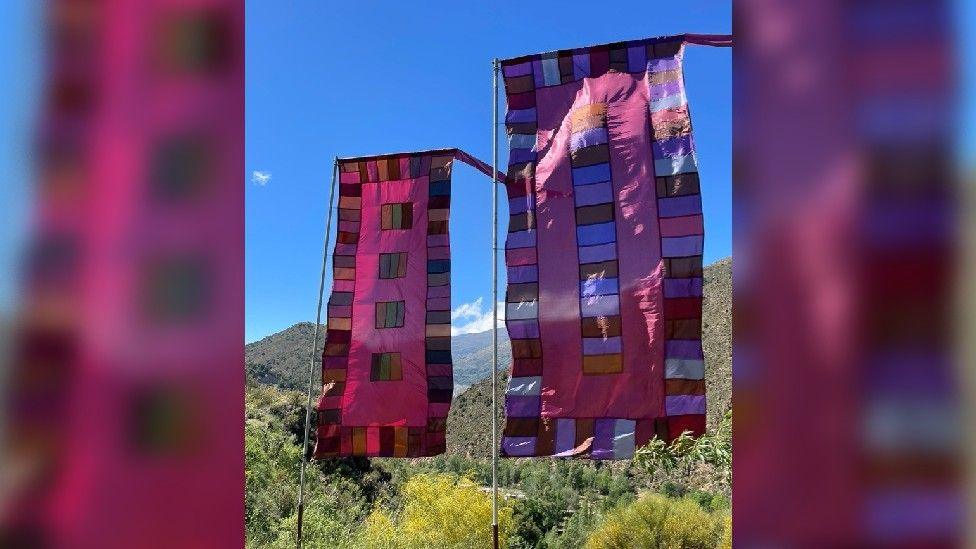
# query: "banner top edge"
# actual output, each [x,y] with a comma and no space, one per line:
[717,40]
[455,152]
[365,157]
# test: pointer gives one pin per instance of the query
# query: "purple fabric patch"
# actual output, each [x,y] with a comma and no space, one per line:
[682,287]
[350,226]
[518,446]
[523,273]
[565,435]
[679,206]
[519,205]
[522,406]
[521,69]
[540,77]
[439,291]
[587,175]
[592,136]
[682,246]
[581,65]
[596,254]
[597,193]
[520,115]
[518,156]
[663,64]
[601,346]
[601,233]
[520,239]
[598,286]
[439,370]
[680,405]
[676,146]
[434,240]
[439,304]
[604,305]
[345,249]
[603,438]
[684,348]
[523,329]
[636,58]
[440,252]
[666,89]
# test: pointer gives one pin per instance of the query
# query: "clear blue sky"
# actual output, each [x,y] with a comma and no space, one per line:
[326,78]
[20,46]
[341,78]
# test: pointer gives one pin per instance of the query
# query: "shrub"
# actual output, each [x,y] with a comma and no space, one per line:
[323,527]
[270,487]
[726,541]
[438,511]
[657,522]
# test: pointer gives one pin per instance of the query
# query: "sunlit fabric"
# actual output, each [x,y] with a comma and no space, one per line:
[386,367]
[604,252]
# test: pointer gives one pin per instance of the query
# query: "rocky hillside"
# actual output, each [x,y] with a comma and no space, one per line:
[282,358]
[717,338]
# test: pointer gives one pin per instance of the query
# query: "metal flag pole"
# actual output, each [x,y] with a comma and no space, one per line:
[312,359]
[494,304]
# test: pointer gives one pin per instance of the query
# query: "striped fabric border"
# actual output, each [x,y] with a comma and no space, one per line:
[522,399]
[523,75]
[437,345]
[596,238]
[682,242]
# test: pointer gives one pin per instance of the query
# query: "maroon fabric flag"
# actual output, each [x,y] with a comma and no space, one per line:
[386,368]
[604,251]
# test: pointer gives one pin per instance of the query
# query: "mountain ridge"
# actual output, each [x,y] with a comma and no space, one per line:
[281,359]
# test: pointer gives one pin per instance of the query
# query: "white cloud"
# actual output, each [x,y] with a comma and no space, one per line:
[260,178]
[467,310]
[469,318]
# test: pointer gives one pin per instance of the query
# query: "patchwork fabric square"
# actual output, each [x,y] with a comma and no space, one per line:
[390,314]
[397,216]
[604,252]
[393,265]
[386,367]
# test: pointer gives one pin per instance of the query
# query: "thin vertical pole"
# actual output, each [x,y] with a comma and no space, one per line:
[494,304]
[312,359]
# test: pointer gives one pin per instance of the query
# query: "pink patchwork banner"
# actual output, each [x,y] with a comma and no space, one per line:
[387,377]
[604,251]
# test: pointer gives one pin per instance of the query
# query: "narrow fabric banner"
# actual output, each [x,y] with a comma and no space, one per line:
[387,376]
[604,251]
